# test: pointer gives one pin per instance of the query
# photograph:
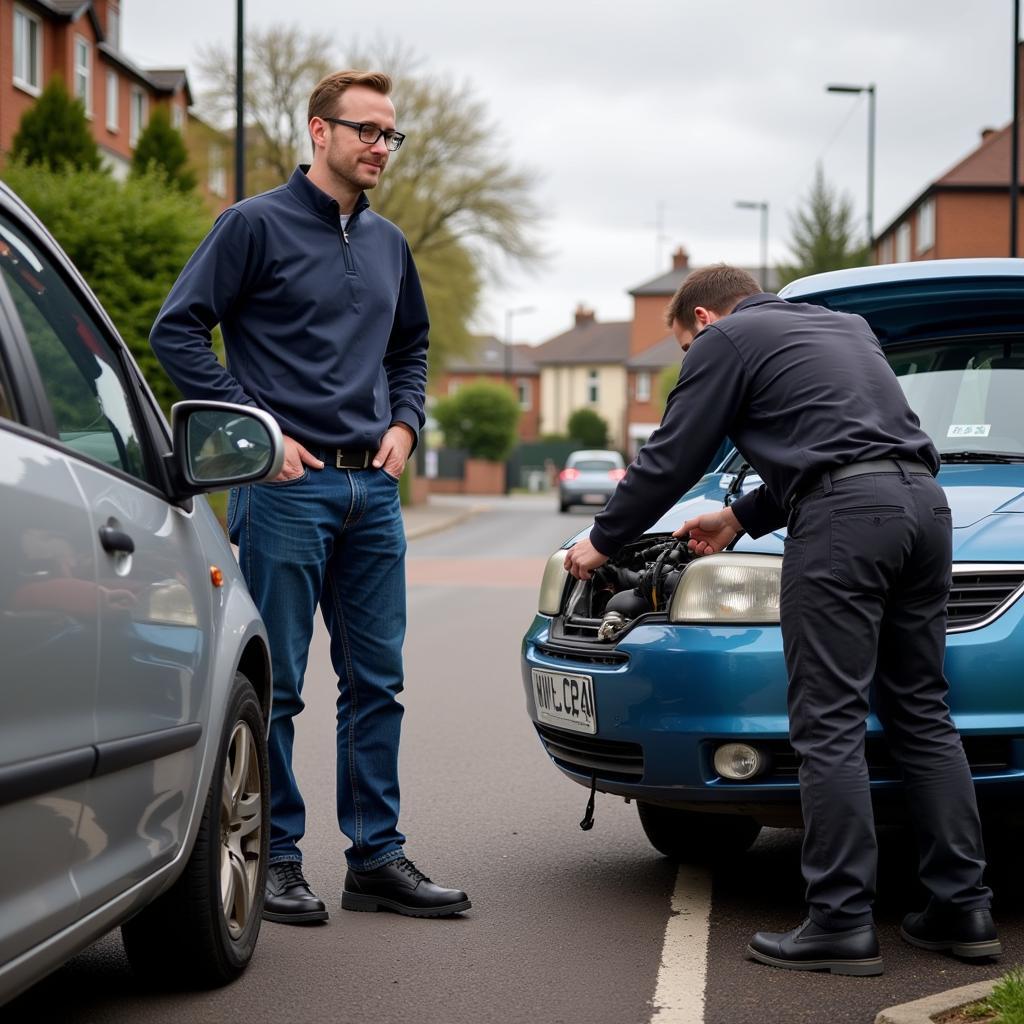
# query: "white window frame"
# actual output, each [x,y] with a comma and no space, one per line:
[114,27]
[138,116]
[216,174]
[926,225]
[885,249]
[83,72]
[902,254]
[26,25]
[177,117]
[113,101]
[523,394]
[593,387]
[453,387]
[643,386]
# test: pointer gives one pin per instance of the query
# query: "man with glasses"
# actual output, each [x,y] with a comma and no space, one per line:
[325,327]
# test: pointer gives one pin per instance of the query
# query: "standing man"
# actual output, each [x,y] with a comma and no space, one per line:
[324,327]
[809,399]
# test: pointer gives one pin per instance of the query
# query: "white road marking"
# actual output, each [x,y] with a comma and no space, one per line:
[679,996]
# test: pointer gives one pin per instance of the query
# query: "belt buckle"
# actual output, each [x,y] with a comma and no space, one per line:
[342,462]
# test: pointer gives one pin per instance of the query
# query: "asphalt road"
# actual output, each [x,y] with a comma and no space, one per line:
[566,927]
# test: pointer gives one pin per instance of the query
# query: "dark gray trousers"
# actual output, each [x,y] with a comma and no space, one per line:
[865,581]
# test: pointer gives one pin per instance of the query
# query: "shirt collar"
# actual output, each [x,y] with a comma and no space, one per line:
[757,300]
[316,199]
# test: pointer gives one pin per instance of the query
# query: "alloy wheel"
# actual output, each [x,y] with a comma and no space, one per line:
[241,825]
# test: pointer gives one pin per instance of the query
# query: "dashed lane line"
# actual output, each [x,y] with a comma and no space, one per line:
[679,995]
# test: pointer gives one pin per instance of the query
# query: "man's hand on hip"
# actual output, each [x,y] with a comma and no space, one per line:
[582,558]
[395,446]
[295,457]
[711,532]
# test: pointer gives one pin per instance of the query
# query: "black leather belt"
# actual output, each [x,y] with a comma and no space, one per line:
[830,476]
[349,458]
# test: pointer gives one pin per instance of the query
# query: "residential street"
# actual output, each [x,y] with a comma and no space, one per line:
[567,927]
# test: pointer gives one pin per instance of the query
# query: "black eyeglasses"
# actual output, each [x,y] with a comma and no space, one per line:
[370,133]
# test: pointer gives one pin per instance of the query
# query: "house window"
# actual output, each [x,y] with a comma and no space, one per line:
[643,386]
[114,28]
[177,117]
[925,226]
[139,116]
[113,102]
[593,389]
[83,73]
[28,50]
[216,175]
[885,250]
[453,388]
[523,394]
[903,243]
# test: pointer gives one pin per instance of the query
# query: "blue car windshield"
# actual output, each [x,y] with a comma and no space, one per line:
[968,393]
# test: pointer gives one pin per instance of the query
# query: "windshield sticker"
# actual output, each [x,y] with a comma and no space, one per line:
[969,430]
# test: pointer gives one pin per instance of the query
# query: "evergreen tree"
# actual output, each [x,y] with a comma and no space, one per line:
[588,428]
[54,132]
[161,150]
[823,235]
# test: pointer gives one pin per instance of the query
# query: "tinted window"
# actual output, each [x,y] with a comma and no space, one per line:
[78,367]
[595,465]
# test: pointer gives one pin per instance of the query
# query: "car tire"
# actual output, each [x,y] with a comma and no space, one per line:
[199,934]
[696,838]
[563,506]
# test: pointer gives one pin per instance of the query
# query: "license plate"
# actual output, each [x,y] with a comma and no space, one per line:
[565,700]
[594,499]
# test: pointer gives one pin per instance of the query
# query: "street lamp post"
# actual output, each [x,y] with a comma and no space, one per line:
[745,204]
[1015,131]
[240,102]
[510,315]
[870,90]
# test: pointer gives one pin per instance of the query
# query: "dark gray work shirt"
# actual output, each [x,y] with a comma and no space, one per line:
[800,389]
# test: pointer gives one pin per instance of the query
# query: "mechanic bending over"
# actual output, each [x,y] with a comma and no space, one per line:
[807,396]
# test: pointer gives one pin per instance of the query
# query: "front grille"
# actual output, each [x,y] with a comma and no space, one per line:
[985,755]
[977,595]
[582,654]
[609,759]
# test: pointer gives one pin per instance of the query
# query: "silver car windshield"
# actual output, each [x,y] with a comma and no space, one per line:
[969,394]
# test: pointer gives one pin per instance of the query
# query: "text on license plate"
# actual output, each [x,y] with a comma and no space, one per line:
[565,699]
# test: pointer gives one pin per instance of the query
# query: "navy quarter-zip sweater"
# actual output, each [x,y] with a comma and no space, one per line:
[323,328]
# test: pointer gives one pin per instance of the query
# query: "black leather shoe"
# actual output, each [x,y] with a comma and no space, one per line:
[289,899]
[965,933]
[810,948]
[400,886]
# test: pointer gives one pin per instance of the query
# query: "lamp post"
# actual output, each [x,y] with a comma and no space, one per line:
[1015,131]
[746,204]
[240,101]
[510,315]
[870,90]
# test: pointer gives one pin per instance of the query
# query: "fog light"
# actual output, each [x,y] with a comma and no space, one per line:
[738,761]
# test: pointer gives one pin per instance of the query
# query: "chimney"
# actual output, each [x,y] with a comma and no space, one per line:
[680,259]
[986,132]
[584,316]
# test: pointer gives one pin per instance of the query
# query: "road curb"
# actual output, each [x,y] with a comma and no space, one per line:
[923,1011]
[415,532]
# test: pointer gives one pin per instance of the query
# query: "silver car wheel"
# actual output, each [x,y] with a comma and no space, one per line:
[241,825]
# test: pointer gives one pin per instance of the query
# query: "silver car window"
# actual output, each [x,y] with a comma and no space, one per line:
[78,367]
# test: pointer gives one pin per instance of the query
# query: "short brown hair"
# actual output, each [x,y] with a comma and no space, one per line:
[324,98]
[718,288]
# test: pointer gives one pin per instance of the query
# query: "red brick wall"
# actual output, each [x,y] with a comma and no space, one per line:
[529,419]
[648,322]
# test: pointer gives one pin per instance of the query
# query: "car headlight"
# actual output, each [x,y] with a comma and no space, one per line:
[728,588]
[552,585]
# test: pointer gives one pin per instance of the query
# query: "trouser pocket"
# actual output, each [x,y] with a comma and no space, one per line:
[864,543]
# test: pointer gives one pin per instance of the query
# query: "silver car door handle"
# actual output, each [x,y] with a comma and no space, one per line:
[116,540]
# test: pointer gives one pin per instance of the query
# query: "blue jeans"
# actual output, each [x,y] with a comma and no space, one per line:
[332,537]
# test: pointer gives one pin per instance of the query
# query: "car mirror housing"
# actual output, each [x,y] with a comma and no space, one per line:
[218,445]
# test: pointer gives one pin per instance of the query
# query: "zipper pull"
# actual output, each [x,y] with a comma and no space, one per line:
[344,235]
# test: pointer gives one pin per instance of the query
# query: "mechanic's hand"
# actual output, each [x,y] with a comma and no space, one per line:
[295,457]
[711,532]
[582,558]
[395,446]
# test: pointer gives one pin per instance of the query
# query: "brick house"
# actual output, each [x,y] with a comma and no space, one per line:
[495,361]
[964,212]
[80,40]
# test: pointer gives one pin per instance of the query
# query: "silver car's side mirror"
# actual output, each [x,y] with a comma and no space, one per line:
[219,445]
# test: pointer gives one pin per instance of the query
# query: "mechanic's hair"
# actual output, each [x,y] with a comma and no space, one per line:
[323,101]
[718,288]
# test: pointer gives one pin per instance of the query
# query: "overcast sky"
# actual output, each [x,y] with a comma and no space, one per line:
[621,110]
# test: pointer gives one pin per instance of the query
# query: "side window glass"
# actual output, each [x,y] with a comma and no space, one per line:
[6,405]
[78,367]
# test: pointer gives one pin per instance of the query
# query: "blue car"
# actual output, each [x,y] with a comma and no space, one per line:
[662,679]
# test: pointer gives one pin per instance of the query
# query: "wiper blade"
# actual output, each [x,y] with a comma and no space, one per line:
[981,456]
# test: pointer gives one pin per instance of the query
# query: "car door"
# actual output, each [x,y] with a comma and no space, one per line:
[48,642]
[153,593]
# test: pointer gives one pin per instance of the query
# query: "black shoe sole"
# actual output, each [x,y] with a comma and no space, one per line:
[856,968]
[370,904]
[306,917]
[964,950]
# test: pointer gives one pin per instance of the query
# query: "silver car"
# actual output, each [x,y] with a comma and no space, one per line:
[589,478]
[134,669]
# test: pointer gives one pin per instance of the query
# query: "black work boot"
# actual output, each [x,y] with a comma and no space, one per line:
[400,886]
[970,934]
[811,948]
[289,899]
